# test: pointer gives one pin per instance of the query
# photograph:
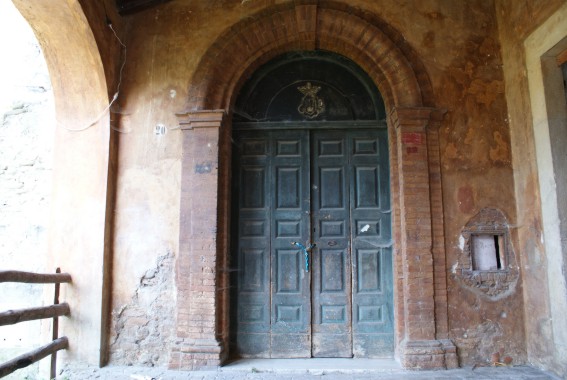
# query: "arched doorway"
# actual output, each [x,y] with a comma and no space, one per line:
[310,167]
[203,270]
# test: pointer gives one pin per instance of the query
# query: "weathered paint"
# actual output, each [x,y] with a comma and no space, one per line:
[462,58]
[459,45]
[528,31]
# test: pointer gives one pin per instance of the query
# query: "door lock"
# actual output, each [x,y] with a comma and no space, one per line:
[306,251]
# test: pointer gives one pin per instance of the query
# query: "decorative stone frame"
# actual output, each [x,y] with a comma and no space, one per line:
[420,288]
[495,284]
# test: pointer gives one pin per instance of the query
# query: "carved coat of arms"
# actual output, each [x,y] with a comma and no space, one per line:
[311,105]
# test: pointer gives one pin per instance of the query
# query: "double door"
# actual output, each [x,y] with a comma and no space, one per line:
[294,189]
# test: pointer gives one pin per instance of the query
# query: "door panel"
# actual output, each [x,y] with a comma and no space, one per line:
[326,187]
[290,290]
[253,313]
[371,243]
[332,331]
[272,292]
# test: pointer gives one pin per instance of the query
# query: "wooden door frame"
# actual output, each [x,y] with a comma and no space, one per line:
[420,289]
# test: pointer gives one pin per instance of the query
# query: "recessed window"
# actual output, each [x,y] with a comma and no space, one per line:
[488,252]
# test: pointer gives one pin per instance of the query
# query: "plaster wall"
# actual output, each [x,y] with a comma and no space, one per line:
[458,45]
[80,167]
[528,31]
[27,122]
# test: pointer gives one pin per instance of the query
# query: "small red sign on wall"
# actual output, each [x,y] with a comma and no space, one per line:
[412,138]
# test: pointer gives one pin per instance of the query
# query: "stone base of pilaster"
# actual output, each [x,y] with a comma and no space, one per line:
[451,358]
[428,354]
[197,356]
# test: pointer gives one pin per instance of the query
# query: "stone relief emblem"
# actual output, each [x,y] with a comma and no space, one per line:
[311,105]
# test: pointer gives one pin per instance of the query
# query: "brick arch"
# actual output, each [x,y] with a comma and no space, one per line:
[253,41]
[420,289]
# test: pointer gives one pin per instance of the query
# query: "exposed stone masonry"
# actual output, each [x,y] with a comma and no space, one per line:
[145,324]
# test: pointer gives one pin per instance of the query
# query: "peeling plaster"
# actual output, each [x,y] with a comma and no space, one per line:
[461,243]
[142,329]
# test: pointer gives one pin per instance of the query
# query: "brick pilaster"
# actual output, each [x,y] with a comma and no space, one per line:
[420,348]
[199,344]
[438,246]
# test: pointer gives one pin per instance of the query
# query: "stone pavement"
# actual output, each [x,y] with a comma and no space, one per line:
[299,369]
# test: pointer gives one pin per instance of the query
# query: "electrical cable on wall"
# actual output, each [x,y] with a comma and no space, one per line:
[119,76]
[107,108]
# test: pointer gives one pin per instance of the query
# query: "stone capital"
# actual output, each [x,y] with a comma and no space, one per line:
[201,119]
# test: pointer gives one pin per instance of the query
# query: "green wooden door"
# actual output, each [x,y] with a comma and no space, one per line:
[329,188]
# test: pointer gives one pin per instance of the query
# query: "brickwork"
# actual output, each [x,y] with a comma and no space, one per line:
[437,227]
[477,67]
[396,235]
[249,44]
[422,254]
[420,269]
[415,221]
[199,343]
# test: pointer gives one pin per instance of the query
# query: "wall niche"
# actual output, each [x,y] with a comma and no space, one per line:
[487,263]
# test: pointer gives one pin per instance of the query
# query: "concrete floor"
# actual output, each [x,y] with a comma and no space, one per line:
[305,369]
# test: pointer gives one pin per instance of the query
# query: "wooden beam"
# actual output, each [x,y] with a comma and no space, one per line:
[11,317]
[33,356]
[33,278]
[55,331]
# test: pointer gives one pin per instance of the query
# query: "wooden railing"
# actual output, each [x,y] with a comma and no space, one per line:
[54,311]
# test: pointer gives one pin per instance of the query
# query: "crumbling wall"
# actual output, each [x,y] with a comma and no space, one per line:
[143,326]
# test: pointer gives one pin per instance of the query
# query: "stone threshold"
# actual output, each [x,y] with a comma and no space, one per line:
[304,369]
[313,366]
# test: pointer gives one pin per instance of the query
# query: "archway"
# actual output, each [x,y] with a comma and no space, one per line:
[202,270]
[26,132]
[77,226]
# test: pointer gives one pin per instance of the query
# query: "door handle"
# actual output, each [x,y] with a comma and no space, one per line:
[306,251]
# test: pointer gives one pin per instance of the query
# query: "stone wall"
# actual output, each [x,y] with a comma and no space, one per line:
[144,324]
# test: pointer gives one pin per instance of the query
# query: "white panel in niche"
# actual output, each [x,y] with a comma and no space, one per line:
[484,252]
